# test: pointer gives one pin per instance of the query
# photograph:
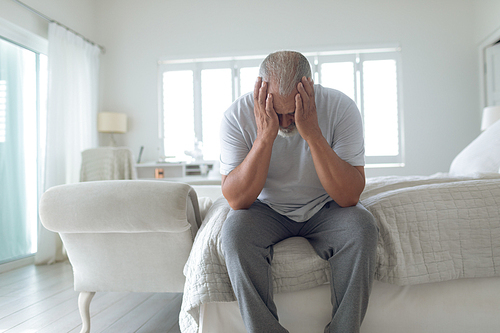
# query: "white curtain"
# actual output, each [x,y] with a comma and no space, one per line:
[73,66]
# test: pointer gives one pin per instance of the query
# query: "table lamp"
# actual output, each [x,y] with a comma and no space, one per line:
[112,122]
[490,115]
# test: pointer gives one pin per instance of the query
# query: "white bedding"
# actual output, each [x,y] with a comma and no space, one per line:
[438,231]
[431,229]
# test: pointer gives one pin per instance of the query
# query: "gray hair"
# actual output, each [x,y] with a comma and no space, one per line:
[286,68]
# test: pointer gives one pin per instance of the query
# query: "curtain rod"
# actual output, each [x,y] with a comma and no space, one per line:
[45,17]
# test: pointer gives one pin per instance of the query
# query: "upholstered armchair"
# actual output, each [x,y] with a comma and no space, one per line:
[123,235]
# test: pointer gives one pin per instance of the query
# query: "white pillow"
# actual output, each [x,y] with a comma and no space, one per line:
[481,156]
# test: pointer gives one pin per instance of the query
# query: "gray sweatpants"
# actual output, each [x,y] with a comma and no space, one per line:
[346,237]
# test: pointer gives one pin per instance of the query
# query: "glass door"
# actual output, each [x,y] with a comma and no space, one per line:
[21,73]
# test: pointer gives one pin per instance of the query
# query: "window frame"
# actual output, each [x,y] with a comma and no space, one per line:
[197,65]
[316,59]
[28,40]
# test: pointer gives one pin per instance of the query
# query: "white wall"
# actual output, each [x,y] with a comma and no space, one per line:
[486,13]
[440,71]
[439,42]
[78,15]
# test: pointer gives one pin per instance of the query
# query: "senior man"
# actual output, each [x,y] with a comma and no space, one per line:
[292,164]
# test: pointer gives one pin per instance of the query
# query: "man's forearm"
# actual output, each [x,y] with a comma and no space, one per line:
[243,185]
[343,182]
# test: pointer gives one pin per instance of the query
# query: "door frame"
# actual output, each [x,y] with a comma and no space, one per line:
[489,41]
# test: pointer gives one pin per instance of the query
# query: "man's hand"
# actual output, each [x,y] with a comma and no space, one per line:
[265,115]
[342,181]
[306,118]
[242,186]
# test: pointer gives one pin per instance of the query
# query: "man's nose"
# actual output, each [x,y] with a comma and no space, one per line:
[287,120]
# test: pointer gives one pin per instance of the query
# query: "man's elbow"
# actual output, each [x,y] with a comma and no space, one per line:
[348,204]
[238,204]
[348,201]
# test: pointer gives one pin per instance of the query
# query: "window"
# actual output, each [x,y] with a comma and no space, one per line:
[372,79]
[195,94]
[3,109]
[23,88]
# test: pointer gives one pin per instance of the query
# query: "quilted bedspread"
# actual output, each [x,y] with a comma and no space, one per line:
[432,229]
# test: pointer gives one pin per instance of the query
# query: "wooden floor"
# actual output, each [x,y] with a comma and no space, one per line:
[42,299]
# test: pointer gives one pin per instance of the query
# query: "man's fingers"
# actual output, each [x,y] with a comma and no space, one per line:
[299,107]
[259,93]
[308,84]
[256,88]
[301,89]
[306,91]
[303,93]
[263,94]
[270,106]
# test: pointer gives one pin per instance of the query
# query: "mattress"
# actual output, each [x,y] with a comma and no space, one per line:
[456,306]
[432,229]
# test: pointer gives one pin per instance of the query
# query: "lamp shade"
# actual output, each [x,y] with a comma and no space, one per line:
[112,122]
[490,115]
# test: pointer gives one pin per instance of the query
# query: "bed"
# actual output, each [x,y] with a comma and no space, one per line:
[438,257]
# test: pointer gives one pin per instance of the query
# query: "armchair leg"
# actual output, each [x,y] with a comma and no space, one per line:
[84,300]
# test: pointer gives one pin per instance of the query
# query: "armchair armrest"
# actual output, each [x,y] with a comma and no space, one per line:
[120,206]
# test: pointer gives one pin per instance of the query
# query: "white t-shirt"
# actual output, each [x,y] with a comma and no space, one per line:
[292,187]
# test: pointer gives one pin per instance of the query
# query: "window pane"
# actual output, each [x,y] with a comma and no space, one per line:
[43,82]
[340,76]
[380,108]
[248,76]
[178,113]
[18,150]
[3,109]
[30,140]
[216,96]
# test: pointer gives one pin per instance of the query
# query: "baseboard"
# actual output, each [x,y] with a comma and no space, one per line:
[8,266]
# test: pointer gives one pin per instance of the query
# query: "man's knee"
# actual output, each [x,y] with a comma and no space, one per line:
[363,227]
[240,232]
[368,230]
[231,234]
